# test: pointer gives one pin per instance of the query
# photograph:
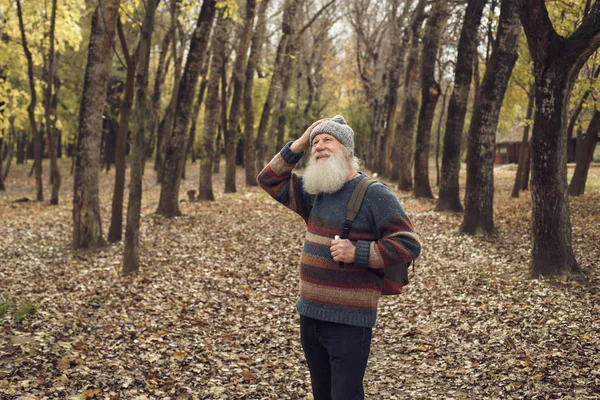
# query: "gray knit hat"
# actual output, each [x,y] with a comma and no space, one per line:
[337,128]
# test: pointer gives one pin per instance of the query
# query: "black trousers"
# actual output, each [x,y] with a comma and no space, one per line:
[337,357]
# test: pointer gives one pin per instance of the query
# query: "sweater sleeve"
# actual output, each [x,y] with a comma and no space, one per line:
[398,241]
[278,180]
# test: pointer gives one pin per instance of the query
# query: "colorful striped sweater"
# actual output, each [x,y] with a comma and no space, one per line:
[381,232]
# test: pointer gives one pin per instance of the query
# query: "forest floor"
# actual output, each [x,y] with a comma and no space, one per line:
[211,315]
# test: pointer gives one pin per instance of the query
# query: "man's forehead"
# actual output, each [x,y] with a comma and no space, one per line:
[323,135]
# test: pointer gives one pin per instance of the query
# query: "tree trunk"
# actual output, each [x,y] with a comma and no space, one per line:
[37,135]
[159,80]
[430,92]
[449,196]
[439,135]
[131,254]
[557,61]
[168,204]
[166,126]
[212,110]
[50,112]
[585,157]
[289,12]
[2,147]
[524,150]
[194,122]
[277,131]
[479,196]
[115,231]
[405,126]
[577,111]
[87,224]
[236,101]
[250,154]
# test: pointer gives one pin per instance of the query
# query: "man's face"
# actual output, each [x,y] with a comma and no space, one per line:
[325,145]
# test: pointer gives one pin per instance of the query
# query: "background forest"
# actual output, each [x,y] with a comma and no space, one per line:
[116,116]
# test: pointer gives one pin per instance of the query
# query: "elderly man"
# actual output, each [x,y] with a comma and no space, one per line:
[340,279]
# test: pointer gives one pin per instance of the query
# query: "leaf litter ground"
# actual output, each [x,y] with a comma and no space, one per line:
[212,314]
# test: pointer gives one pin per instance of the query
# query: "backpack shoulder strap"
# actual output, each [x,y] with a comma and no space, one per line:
[357,198]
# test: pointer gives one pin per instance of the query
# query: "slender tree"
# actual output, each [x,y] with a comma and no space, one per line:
[289,9]
[161,71]
[37,135]
[212,110]
[131,255]
[585,156]
[87,224]
[250,146]
[236,101]
[408,116]
[556,62]
[116,220]
[522,169]
[449,197]
[430,92]
[479,196]
[168,204]
[50,110]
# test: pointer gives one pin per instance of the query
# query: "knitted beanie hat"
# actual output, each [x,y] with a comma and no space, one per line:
[337,128]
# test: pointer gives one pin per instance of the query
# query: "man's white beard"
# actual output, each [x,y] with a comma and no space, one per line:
[328,175]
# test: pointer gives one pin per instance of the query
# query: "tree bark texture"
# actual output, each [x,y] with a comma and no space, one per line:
[168,204]
[37,135]
[131,254]
[165,128]
[87,224]
[430,92]
[212,111]
[50,111]
[115,231]
[408,115]
[584,158]
[524,150]
[557,61]
[479,196]
[250,146]
[239,75]
[449,196]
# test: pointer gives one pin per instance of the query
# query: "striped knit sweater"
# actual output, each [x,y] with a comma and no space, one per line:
[381,232]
